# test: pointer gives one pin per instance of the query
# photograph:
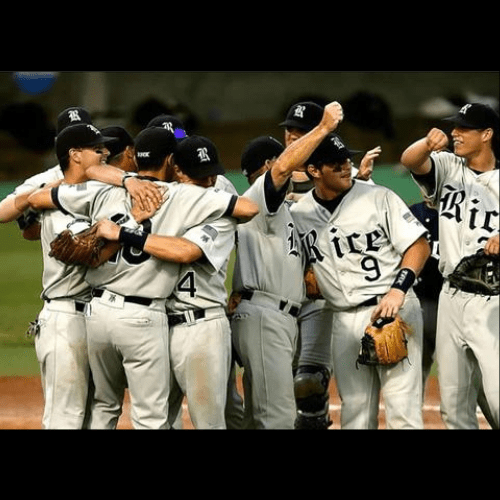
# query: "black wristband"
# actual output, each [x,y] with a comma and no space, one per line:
[404,280]
[125,177]
[131,238]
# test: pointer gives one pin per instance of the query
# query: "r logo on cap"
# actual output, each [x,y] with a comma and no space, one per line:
[299,111]
[463,111]
[203,155]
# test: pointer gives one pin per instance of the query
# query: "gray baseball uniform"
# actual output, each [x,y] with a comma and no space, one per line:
[356,261]
[468,217]
[268,273]
[127,322]
[200,334]
[61,345]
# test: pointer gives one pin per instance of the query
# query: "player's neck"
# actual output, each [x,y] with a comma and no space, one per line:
[326,194]
[75,175]
[483,161]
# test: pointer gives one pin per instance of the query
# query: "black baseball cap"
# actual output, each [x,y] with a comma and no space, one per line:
[331,150]
[257,151]
[170,122]
[153,145]
[475,116]
[72,116]
[123,139]
[83,135]
[304,116]
[197,157]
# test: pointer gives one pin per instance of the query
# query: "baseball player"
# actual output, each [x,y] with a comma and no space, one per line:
[268,283]
[171,123]
[365,266]
[428,284]
[28,220]
[60,339]
[200,334]
[464,186]
[312,364]
[121,151]
[127,327]
[428,287]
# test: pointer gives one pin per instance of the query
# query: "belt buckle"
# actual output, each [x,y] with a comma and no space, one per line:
[189,316]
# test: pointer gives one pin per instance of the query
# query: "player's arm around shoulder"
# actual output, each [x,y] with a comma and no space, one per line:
[169,248]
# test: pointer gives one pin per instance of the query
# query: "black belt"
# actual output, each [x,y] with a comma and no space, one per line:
[79,306]
[370,302]
[293,311]
[179,319]
[143,301]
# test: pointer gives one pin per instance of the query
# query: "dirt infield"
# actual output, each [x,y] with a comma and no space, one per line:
[21,406]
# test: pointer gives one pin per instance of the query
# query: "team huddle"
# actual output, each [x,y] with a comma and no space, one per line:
[322,257]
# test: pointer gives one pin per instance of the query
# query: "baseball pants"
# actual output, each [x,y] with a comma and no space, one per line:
[128,347]
[361,387]
[61,349]
[315,326]
[200,360]
[265,340]
[467,343]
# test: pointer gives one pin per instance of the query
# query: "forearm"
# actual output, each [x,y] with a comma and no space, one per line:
[172,249]
[416,157]
[296,154]
[107,174]
[416,256]
[9,210]
[169,248]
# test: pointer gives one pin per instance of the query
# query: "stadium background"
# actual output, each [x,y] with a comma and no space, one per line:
[390,109]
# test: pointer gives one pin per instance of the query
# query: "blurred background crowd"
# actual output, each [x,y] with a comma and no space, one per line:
[383,108]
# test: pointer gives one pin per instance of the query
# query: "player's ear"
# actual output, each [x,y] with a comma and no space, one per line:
[487,134]
[312,171]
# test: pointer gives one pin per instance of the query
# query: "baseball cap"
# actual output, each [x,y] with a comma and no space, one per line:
[331,150]
[303,115]
[123,139]
[153,145]
[257,151]
[72,116]
[198,157]
[170,122]
[82,135]
[475,116]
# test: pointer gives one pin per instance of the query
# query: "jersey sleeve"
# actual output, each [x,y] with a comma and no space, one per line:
[263,192]
[402,226]
[76,199]
[206,204]
[216,240]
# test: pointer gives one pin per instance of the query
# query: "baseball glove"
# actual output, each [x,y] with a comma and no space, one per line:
[75,246]
[477,273]
[312,290]
[384,342]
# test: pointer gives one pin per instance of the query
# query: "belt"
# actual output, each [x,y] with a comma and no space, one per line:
[143,301]
[282,304]
[79,306]
[370,302]
[186,317]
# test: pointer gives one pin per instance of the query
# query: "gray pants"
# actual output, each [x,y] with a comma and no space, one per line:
[265,340]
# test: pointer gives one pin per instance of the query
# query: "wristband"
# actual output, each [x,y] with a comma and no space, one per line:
[404,280]
[131,238]
[125,177]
